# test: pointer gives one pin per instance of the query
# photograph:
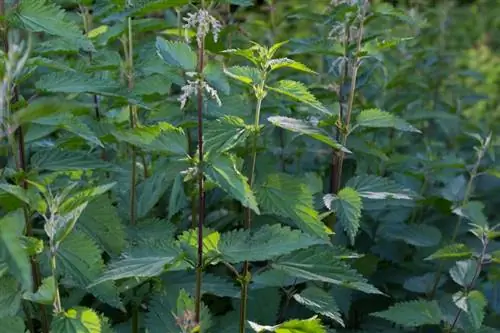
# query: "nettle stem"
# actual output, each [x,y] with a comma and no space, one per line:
[201,180]
[345,123]
[245,277]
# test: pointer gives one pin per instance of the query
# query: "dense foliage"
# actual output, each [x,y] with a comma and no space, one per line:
[221,166]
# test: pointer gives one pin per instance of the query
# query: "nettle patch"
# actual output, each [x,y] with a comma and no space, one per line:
[182,166]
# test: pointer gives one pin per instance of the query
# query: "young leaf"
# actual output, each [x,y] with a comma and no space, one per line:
[321,302]
[464,272]
[275,64]
[222,171]
[451,252]
[11,251]
[245,74]
[76,320]
[266,243]
[298,91]
[303,127]
[317,263]
[376,118]
[412,314]
[176,54]
[312,325]
[347,206]
[285,196]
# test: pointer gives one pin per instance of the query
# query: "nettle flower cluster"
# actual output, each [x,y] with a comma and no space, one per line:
[203,23]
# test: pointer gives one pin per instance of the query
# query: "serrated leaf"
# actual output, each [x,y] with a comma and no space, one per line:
[43,107]
[64,160]
[245,74]
[12,253]
[422,283]
[321,302]
[473,304]
[464,271]
[178,199]
[451,252]
[379,188]
[347,206]
[376,118]
[176,54]
[285,196]
[275,64]
[420,235]
[77,83]
[224,134]
[79,262]
[303,127]
[266,243]
[44,16]
[473,211]
[100,221]
[214,75]
[317,263]
[222,171]
[76,320]
[188,241]
[10,296]
[45,293]
[299,92]
[312,325]
[12,324]
[158,6]
[212,284]
[412,314]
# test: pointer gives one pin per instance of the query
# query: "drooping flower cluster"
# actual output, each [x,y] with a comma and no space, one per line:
[202,21]
[192,87]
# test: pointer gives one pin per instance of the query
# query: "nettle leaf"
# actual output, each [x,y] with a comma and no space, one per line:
[420,235]
[376,118]
[12,253]
[44,16]
[176,54]
[347,206]
[44,107]
[275,64]
[312,325]
[245,74]
[64,160]
[451,252]
[222,171]
[422,283]
[473,304]
[77,83]
[100,221]
[412,314]
[188,241]
[373,187]
[45,293]
[153,6]
[212,284]
[473,211]
[285,196]
[10,296]
[318,263]
[306,128]
[224,134]
[79,262]
[178,199]
[299,92]
[77,320]
[266,243]
[214,75]
[321,302]
[464,271]
[12,324]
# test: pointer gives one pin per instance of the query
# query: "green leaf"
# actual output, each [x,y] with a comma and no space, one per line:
[266,243]
[303,127]
[347,206]
[176,54]
[275,64]
[79,262]
[76,199]
[285,196]
[321,302]
[473,211]
[299,92]
[178,199]
[64,160]
[473,304]
[16,191]
[100,221]
[10,296]
[12,252]
[77,320]
[44,16]
[245,74]
[379,188]
[224,134]
[318,263]
[420,235]
[77,83]
[376,118]
[412,314]
[45,293]
[312,325]
[222,171]
[464,271]
[214,75]
[188,241]
[451,252]
[46,106]
[158,6]
[12,324]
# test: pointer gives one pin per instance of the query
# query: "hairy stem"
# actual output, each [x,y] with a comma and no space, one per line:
[57,299]
[201,181]
[245,278]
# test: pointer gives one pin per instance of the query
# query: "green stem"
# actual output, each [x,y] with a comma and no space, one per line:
[57,298]
[245,278]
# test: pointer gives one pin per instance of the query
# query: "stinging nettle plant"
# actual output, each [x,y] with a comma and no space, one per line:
[168,166]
